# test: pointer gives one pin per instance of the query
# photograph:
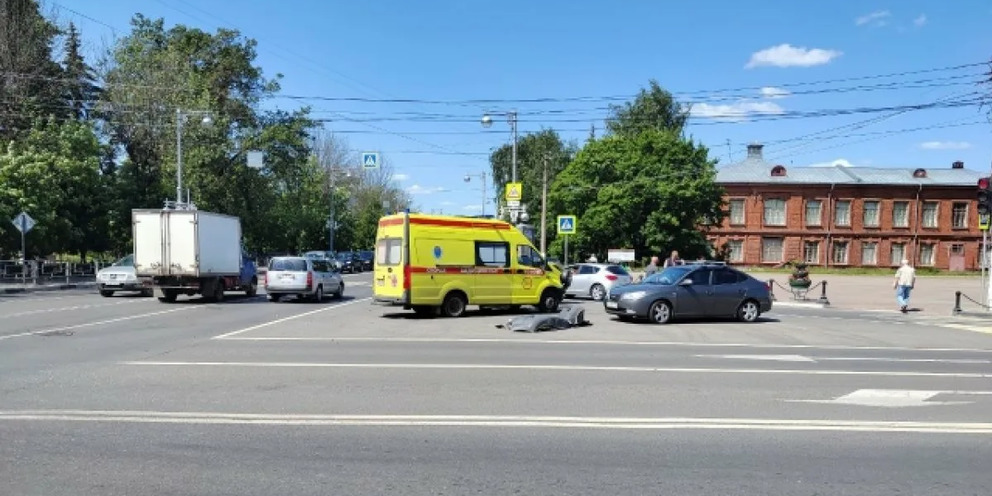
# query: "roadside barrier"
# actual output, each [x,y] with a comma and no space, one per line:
[957,302]
[800,294]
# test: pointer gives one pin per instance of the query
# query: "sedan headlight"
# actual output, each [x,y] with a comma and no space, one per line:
[633,295]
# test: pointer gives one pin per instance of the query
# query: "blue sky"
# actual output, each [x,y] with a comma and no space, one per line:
[746,68]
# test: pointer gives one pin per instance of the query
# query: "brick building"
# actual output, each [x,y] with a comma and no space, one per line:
[849,216]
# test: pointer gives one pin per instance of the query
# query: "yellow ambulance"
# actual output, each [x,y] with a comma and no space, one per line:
[432,262]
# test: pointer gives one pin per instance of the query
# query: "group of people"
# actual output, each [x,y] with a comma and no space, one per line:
[672,260]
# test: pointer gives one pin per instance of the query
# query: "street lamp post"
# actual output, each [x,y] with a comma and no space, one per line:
[511,117]
[482,176]
[181,116]
[332,221]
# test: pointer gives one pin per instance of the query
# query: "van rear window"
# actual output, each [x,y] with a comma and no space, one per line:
[388,251]
[288,265]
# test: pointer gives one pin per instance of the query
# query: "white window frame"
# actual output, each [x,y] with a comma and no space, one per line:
[847,252]
[784,213]
[874,253]
[735,255]
[847,219]
[743,211]
[764,250]
[963,218]
[936,215]
[933,254]
[897,260]
[815,259]
[818,218]
[878,213]
[905,220]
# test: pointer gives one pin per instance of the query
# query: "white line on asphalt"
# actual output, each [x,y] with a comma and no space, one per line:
[801,358]
[91,324]
[291,317]
[558,368]
[497,421]
[65,309]
[604,342]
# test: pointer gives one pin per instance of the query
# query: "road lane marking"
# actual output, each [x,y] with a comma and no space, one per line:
[500,421]
[775,358]
[66,309]
[557,368]
[896,398]
[813,359]
[291,317]
[523,340]
[101,322]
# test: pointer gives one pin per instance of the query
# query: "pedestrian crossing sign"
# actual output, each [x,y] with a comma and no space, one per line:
[514,192]
[566,224]
[370,160]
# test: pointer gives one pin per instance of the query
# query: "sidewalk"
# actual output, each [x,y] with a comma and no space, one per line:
[13,288]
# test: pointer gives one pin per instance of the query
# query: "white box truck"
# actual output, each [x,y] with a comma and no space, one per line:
[191,252]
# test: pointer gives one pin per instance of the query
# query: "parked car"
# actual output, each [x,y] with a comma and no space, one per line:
[303,277]
[696,291]
[349,262]
[595,280]
[367,258]
[121,276]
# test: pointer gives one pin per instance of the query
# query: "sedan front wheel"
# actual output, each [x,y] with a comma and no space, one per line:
[660,312]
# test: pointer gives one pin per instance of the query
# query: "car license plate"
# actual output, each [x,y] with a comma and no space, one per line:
[612,304]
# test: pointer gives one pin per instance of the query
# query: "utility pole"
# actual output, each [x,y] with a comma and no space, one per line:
[544,209]
[730,152]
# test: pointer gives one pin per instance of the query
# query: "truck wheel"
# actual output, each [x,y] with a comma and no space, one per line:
[454,305]
[273,297]
[168,296]
[218,295]
[252,288]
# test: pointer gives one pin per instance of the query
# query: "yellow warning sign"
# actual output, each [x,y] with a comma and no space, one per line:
[514,192]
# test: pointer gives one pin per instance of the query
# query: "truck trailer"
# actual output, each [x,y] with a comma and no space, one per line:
[191,252]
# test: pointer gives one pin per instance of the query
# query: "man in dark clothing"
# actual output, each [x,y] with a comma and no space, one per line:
[674,259]
[652,267]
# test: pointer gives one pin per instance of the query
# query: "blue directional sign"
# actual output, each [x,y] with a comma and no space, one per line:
[23,222]
[370,160]
[567,224]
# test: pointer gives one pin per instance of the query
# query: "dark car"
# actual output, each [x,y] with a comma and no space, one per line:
[348,261]
[700,290]
[367,258]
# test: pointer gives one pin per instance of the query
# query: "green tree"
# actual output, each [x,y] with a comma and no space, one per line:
[532,150]
[80,90]
[650,191]
[653,108]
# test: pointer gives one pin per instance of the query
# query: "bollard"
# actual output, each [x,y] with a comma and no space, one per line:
[823,293]
[771,289]
[957,303]
[67,273]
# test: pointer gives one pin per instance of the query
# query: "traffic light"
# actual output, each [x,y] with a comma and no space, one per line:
[984,196]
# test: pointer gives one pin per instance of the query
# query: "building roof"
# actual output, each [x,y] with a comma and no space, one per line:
[756,170]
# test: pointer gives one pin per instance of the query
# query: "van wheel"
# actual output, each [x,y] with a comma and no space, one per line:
[454,305]
[550,301]
[318,295]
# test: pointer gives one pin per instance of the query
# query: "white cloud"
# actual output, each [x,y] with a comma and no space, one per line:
[447,203]
[417,189]
[920,21]
[735,112]
[400,177]
[842,162]
[786,55]
[945,145]
[877,18]
[472,208]
[773,92]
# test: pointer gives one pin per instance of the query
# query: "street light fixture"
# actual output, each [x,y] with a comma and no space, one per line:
[511,117]
[468,178]
[181,117]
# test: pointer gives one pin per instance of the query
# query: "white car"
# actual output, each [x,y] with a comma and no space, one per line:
[595,280]
[303,277]
[121,277]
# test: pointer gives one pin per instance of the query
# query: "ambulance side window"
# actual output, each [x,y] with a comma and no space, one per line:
[388,251]
[492,254]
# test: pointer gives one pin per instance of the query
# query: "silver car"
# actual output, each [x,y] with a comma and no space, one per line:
[595,280]
[303,277]
[121,277]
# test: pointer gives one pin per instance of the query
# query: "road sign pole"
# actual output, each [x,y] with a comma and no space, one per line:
[24,259]
[566,250]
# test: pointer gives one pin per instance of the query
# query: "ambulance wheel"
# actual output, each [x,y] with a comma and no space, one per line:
[550,300]
[454,304]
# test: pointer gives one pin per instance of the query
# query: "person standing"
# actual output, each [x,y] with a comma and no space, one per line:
[674,259]
[904,282]
[651,269]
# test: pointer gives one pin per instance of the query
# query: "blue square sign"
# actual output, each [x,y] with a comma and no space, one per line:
[370,160]
[566,224]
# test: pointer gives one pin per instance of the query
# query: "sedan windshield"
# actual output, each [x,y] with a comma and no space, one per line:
[670,275]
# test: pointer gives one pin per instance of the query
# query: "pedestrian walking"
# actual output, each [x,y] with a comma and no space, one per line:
[674,259]
[651,269]
[903,284]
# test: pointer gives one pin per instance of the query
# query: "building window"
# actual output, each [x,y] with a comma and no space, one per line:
[737,212]
[926,254]
[771,249]
[735,250]
[814,212]
[930,214]
[842,213]
[869,253]
[840,252]
[811,252]
[870,215]
[900,214]
[774,212]
[959,215]
[897,253]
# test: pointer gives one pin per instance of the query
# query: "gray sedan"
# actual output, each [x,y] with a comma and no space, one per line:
[694,291]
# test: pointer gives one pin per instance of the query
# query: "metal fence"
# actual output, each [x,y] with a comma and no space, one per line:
[48,272]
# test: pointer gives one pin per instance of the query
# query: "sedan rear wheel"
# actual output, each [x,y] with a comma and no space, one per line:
[749,311]
[598,292]
[660,312]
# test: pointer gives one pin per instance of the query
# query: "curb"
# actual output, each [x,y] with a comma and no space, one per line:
[37,289]
[799,304]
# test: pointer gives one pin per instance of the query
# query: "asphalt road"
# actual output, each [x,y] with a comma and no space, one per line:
[126,395]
